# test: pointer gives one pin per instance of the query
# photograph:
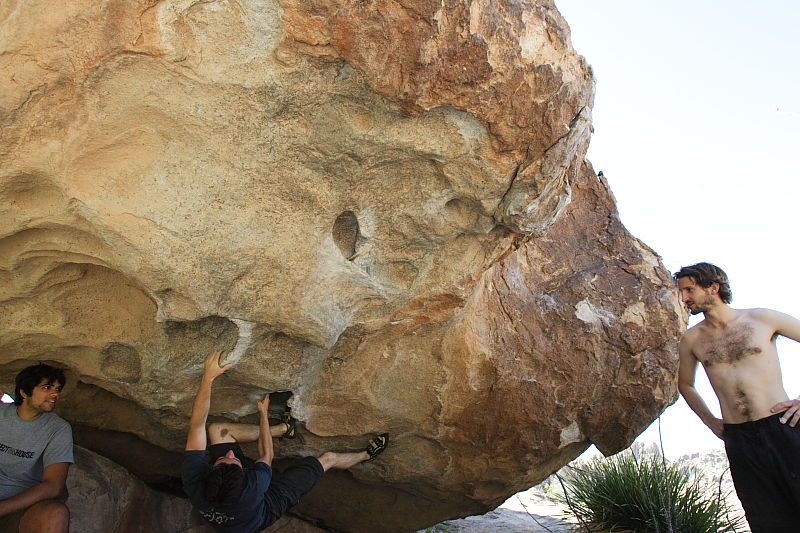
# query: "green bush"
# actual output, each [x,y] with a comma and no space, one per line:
[622,493]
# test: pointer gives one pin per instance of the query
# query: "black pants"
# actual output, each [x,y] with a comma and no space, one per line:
[765,465]
[288,486]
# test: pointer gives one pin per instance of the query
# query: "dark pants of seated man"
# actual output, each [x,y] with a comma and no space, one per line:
[10,523]
[286,487]
[765,466]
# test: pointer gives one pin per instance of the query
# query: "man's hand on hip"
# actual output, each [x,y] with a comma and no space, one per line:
[792,411]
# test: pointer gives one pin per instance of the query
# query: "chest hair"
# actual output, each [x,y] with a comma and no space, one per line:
[733,345]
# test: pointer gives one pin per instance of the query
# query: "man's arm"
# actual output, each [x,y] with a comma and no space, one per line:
[196,439]
[686,373]
[265,448]
[782,324]
[789,327]
[54,478]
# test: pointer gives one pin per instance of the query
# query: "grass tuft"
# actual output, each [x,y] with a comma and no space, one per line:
[648,494]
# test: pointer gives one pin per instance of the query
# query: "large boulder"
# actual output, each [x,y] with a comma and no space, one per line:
[379,207]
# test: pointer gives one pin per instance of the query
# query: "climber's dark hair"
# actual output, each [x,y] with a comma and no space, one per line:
[224,484]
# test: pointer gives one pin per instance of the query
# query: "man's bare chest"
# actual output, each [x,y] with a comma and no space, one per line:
[731,345]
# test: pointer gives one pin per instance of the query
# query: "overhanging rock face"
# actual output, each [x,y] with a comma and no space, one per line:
[382,207]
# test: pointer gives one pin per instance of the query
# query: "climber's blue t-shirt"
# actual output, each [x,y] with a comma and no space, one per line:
[249,514]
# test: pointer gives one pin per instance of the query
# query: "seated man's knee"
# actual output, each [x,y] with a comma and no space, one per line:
[45,516]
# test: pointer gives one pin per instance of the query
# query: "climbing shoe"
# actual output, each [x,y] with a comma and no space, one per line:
[376,445]
[291,425]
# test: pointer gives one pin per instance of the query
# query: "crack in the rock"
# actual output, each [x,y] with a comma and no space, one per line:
[503,306]
[501,212]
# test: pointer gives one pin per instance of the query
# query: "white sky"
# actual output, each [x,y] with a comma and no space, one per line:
[697,126]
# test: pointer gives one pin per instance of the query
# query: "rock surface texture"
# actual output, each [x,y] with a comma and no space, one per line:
[380,206]
[104,497]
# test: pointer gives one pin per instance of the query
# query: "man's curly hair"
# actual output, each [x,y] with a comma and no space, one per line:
[29,377]
[224,484]
[706,274]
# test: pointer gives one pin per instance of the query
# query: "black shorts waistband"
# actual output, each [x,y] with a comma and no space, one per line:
[751,425]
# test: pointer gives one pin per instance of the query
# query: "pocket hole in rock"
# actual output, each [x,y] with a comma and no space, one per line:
[345,234]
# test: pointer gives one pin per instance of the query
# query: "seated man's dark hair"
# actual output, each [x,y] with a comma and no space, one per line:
[706,274]
[30,377]
[224,484]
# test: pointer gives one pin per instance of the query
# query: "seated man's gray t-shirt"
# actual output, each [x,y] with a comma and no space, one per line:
[28,446]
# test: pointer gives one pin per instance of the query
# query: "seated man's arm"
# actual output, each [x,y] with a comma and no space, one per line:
[196,438]
[53,484]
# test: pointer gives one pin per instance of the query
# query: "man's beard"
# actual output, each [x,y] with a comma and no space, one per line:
[702,307]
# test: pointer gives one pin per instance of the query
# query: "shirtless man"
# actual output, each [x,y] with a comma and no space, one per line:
[758,425]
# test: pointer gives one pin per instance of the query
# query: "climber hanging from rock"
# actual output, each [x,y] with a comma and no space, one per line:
[231,491]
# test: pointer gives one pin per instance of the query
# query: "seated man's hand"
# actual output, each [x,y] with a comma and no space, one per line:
[212,368]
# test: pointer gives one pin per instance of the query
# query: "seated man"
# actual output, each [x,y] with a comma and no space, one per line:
[235,493]
[35,454]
